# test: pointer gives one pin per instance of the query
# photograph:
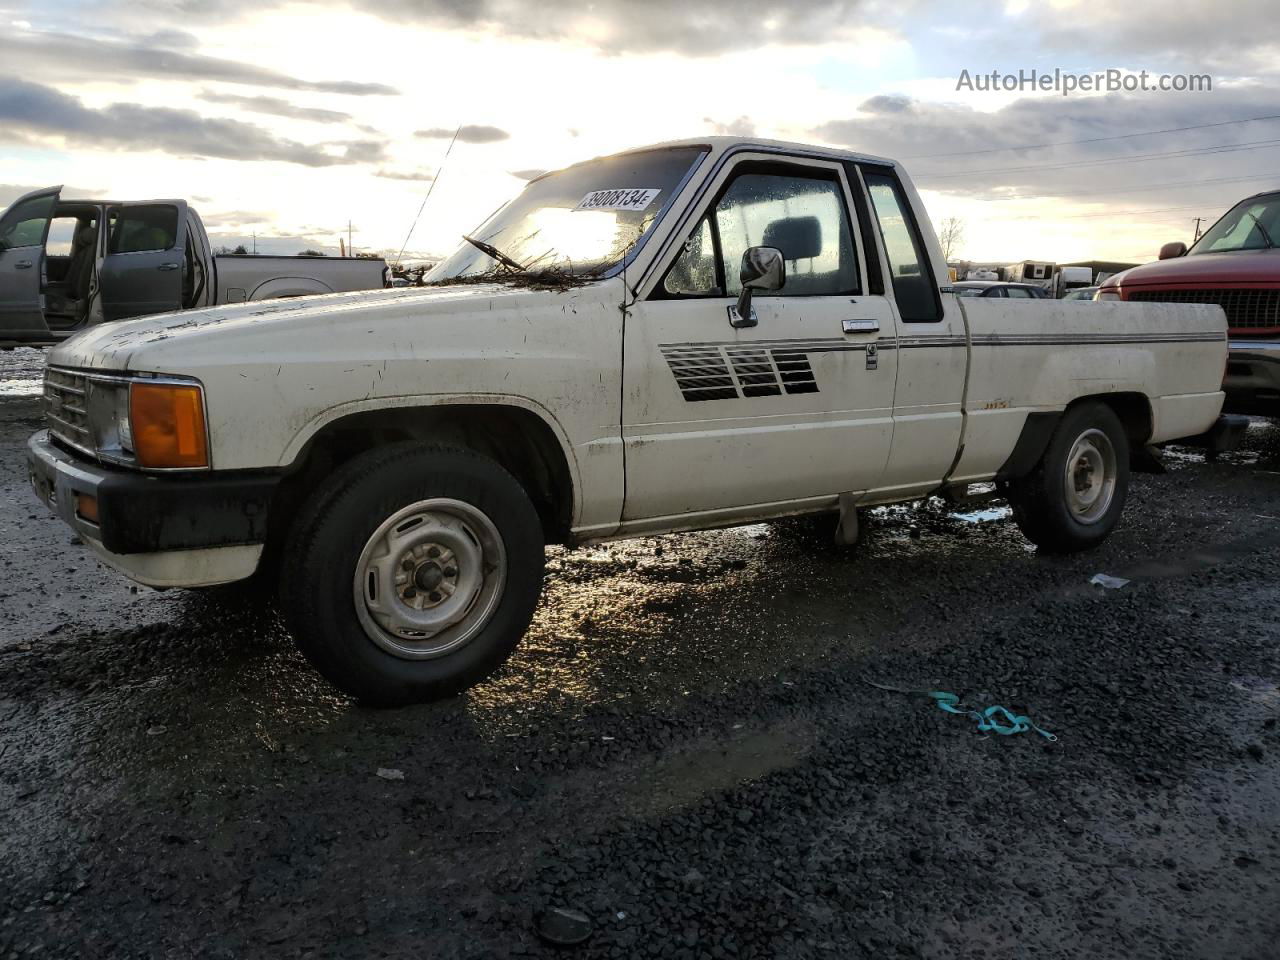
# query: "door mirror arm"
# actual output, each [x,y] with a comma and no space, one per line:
[762,269]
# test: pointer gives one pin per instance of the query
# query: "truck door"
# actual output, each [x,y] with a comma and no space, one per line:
[23,231]
[145,264]
[797,408]
[932,344]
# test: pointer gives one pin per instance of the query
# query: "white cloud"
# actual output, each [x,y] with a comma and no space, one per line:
[568,81]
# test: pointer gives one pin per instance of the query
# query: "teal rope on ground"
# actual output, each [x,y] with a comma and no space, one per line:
[988,719]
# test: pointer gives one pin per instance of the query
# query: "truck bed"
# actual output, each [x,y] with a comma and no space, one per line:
[1041,355]
[249,277]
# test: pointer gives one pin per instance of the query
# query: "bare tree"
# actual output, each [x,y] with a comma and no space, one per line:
[950,235]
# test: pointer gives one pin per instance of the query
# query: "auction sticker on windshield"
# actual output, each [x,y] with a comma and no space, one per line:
[629,198]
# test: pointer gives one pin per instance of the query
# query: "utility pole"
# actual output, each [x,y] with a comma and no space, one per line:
[1198,219]
[350,249]
[255,243]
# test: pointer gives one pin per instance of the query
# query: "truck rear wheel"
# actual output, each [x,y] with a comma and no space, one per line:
[412,573]
[1074,497]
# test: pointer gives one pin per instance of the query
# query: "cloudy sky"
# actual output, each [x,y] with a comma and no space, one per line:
[288,120]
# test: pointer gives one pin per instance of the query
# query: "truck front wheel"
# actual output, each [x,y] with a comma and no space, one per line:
[412,573]
[1075,495]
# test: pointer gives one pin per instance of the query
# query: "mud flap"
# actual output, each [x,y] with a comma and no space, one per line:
[1146,459]
[1225,434]
[847,526]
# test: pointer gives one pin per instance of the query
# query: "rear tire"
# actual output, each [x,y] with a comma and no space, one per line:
[1073,498]
[412,573]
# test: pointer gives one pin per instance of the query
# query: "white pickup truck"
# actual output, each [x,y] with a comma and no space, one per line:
[692,335]
[68,264]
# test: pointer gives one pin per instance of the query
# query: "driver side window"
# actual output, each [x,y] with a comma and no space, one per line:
[26,222]
[797,210]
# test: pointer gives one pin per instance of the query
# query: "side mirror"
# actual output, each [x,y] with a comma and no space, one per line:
[1171,251]
[762,269]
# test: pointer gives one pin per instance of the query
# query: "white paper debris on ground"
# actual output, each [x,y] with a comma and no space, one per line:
[1108,581]
[388,773]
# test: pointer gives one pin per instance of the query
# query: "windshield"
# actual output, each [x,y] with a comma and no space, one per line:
[1252,224]
[970,291]
[579,221]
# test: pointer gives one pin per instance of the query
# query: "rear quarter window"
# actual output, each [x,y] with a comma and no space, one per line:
[914,287]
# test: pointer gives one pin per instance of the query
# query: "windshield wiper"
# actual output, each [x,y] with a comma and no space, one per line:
[1266,237]
[490,250]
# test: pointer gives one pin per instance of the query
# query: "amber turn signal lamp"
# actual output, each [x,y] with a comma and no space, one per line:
[87,507]
[168,425]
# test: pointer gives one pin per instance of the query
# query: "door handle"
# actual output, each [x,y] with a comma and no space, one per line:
[167,266]
[860,326]
[22,265]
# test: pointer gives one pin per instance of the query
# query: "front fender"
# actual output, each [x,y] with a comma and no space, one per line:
[308,431]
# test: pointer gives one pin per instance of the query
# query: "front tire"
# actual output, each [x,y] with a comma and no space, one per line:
[412,573]
[1074,497]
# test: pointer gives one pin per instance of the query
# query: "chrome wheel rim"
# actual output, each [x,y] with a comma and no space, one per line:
[429,578]
[1090,481]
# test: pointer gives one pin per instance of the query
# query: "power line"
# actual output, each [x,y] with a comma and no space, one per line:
[1067,143]
[1150,186]
[1114,213]
[1199,151]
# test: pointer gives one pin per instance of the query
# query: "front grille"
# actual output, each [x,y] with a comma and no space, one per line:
[65,394]
[1244,308]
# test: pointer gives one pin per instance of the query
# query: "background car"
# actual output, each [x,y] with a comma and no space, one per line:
[999,288]
[1236,265]
[1080,293]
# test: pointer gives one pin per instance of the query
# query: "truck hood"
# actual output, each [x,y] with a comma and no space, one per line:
[116,346]
[1207,269]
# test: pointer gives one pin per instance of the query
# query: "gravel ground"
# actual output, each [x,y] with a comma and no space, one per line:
[685,750]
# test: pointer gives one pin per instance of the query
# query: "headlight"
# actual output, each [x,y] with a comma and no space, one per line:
[107,406]
[1107,295]
[167,424]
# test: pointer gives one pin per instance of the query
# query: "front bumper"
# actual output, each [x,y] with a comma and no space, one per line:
[1252,381]
[161,530]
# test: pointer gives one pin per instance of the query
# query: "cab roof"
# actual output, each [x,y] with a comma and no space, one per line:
[722,144]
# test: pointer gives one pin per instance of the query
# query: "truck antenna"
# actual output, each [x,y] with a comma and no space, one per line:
[422,206]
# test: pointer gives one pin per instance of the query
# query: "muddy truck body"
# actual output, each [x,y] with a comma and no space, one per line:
[70,264]
[694,335]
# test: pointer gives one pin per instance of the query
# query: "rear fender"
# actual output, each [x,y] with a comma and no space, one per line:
[289,287]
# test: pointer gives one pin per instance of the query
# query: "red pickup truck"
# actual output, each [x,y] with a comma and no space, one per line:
[1236,264]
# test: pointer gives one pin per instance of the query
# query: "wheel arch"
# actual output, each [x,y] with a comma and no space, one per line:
[1133,409]
[280,287]
[517,433]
